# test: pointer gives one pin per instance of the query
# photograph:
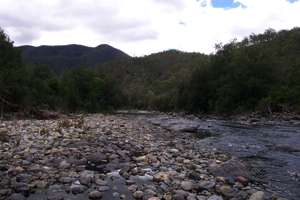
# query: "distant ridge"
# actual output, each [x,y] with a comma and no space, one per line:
[62,57]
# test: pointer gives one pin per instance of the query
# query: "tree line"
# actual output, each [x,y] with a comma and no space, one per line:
[259,73]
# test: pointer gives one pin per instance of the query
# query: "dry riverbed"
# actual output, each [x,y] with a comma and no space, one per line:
[113,157]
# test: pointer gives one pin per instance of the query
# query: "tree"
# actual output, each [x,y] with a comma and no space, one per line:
[11,71]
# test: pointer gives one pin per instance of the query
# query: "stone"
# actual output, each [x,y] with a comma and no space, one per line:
[116,195]
[161,176]
[242,180]
[133,188]
[66,180]
[206,185]
[191,197]
[77,188]
[187,185]
[97,158]
[4,135]
[154,198]
[4,192]
[101,182]
[95,195]
[87,177]
[64,165]
[21,188]
[201,197]
[141,159]
[138,194]
[16,196]
[24,178]
[257,196]
[226,191]
[180,195]
[215,197]
[175,151]
[56,195]
[167,197]
[103,188]
[15,170]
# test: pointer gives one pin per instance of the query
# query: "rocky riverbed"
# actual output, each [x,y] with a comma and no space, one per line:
[115,157]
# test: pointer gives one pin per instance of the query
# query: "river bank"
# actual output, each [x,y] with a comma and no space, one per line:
[114,157]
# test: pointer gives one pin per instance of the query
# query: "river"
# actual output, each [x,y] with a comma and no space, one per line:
[271,150]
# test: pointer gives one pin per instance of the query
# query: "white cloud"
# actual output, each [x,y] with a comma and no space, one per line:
[142,26]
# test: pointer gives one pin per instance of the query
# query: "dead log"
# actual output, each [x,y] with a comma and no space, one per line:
[45,114]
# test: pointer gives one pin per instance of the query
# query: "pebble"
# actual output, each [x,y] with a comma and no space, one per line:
[226,191]
[133,188]
[64,164]
[244,181]
[101,182]
[86,177]
[161,176]
[154,198]
[175,151]
[77,188]
[138,194]
[215,197]
[16,196]
[187,185]
[103,188]
[179,195]
[116,195]
[153,166]
[95,195]
[257,196]
[4,135]
[206,185]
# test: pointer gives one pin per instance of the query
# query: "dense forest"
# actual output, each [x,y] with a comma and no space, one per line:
[259,73]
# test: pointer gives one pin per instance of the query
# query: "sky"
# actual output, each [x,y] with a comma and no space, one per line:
[141,27]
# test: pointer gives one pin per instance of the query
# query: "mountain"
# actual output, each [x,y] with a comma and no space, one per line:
[63,57]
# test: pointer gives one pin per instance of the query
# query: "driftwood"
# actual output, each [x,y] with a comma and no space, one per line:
[4,103]
[45,114]
[7,103]
[34,112]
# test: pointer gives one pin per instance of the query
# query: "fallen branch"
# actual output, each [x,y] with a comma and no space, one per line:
[12,105]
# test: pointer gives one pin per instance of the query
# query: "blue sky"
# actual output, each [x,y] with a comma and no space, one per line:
[226,4]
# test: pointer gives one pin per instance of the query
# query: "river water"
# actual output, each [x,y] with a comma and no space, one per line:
[270,150]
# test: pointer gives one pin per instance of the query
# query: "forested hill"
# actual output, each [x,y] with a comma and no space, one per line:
[152,82]
[63,57]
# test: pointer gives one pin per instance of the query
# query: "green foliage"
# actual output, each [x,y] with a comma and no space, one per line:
[43,88]
[261,72]
[152,82]
[84,89]
[11,72]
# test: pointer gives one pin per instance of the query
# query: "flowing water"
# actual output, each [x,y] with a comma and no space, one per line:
[270,150]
